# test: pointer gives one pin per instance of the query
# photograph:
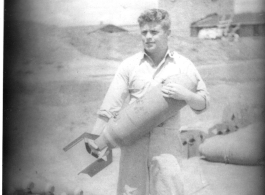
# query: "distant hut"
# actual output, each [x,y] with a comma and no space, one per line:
[251,24]
[112,29]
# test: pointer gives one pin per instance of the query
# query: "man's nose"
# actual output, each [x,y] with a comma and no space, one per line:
[148,35]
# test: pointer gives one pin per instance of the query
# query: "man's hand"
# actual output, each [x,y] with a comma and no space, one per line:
[92,148]
[92,144]
[176,91]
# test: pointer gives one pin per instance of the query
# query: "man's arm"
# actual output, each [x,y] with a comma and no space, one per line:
[100,124]
[113,101]
[111,105]
[198,101]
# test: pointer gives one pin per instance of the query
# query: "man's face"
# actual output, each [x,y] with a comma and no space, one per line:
[154,37]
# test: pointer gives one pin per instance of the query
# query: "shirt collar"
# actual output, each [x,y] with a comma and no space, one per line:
[169,53]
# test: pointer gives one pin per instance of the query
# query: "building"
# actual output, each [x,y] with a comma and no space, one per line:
[251,24]
[185,12]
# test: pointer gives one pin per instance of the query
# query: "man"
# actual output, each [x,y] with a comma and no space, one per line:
[151,164]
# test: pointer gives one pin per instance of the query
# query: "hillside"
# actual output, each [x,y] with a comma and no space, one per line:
[118,46]
[42,41]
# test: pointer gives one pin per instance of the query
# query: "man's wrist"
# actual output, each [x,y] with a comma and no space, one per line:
[188,97]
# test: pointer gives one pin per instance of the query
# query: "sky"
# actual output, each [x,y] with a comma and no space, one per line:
[87,12]
[81,12]
[249,6]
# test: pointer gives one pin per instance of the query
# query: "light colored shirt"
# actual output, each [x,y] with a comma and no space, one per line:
[136,74]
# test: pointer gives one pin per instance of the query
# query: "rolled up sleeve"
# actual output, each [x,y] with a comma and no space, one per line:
[116,94]
[201,88]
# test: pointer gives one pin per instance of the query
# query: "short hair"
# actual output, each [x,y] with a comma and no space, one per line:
[155,15]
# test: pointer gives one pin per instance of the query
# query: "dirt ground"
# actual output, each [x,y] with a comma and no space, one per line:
[55,82]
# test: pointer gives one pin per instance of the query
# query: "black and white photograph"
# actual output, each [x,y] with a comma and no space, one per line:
[133,97]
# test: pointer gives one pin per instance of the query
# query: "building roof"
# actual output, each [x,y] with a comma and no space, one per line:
[112,28]
[244,19]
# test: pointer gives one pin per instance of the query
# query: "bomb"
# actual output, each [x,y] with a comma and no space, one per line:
[146,113]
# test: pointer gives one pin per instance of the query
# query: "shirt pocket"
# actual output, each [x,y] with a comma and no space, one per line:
[138,84]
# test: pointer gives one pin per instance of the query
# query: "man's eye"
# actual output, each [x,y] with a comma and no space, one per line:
[154,32]
[144,33]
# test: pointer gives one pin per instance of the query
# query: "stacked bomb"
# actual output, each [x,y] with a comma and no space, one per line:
[30,187]
[76,191]
[38,188]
